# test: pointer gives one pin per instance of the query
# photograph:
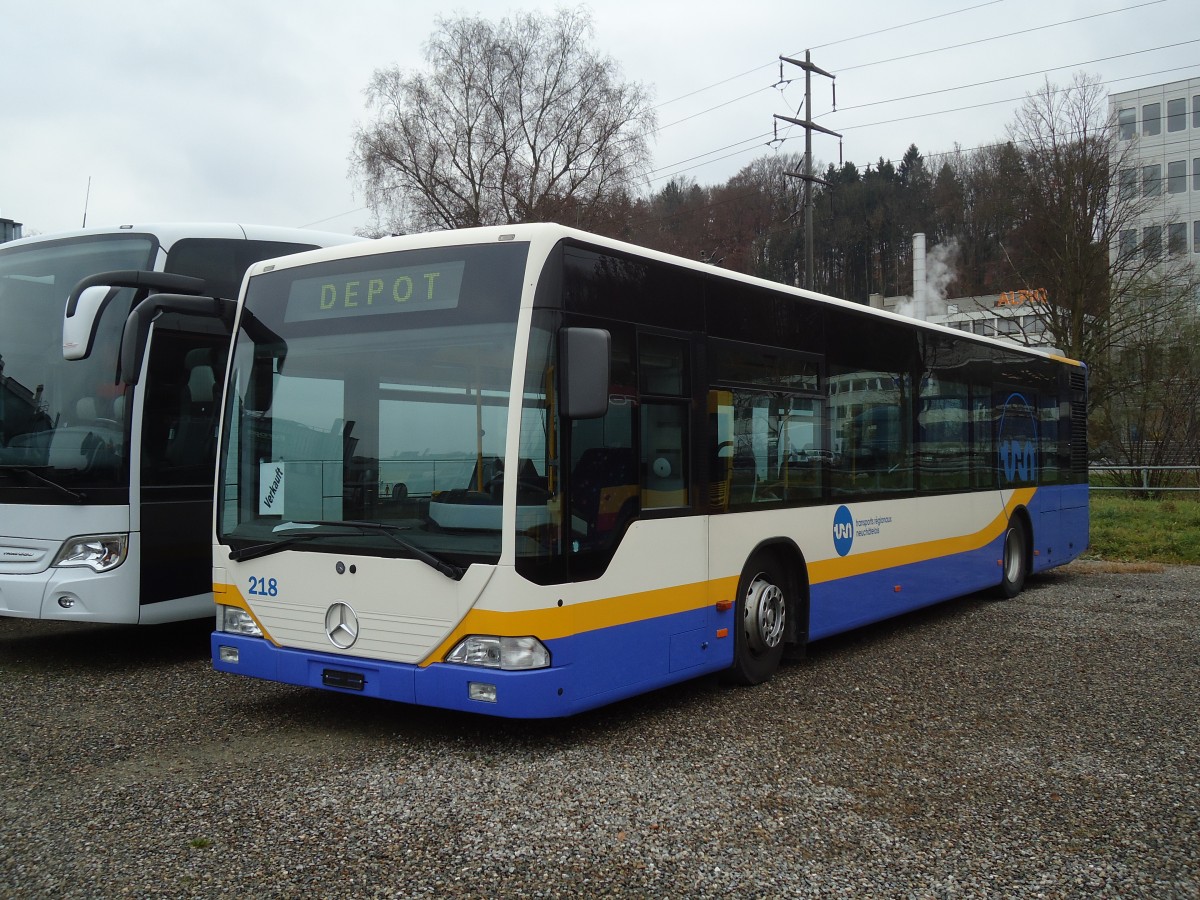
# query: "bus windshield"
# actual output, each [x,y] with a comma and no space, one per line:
[368,403]
[61,423]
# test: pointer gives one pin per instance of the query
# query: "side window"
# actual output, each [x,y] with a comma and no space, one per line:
[664,382]
[871,424]
[767,431]
[604,484]
[1048,429]
[181,407]
[1017,445]
[983,460]
[944,433]
[769,448]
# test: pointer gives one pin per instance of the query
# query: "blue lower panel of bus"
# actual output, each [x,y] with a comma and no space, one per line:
[589,670]
[608,664]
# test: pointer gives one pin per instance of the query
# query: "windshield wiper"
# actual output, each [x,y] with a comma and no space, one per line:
[256,550]
[34,478]
[446,568]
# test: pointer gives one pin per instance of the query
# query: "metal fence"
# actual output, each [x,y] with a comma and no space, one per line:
[1138,478]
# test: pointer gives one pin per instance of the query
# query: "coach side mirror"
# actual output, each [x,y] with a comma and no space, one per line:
[87,301]
[79,329]
[137,327]
[584,355]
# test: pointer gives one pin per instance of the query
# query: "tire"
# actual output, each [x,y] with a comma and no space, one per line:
[763,605]
[1014,565]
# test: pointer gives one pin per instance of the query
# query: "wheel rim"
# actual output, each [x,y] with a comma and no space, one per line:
[1013,551]
[766,612]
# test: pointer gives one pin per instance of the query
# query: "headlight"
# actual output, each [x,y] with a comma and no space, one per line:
[500,652]
[232,620]
[99,552]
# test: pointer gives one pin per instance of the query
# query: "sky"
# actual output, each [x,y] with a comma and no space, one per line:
[245,110]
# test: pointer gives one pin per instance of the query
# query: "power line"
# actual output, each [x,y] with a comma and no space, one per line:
[921,53]
[905,25]
[771,64]
[998,37]
[764,135]
[931,155]
[961,87]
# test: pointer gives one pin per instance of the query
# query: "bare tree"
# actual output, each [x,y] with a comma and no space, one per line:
[515,121]
[1078,207]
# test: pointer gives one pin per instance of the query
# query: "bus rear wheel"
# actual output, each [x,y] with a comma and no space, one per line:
[763,606]
[1015,562]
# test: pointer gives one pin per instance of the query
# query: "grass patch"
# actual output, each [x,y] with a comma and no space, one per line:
[200,843]
[1136,530]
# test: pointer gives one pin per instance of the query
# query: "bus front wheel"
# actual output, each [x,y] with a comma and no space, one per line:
[762,611]
[1015,562]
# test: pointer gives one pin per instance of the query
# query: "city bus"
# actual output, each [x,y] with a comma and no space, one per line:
[527,471]
[106,486]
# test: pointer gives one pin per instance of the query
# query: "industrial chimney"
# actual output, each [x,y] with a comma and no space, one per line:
[920,300]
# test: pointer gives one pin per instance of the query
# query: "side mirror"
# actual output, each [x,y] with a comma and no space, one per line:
[142,316]
[86,303]
[584,360]
[79,330]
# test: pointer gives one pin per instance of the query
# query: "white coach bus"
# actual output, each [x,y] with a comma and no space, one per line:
[106,485]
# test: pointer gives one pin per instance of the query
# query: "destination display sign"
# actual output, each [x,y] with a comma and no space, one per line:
[375,292]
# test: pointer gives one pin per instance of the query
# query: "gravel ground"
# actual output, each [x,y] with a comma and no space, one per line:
[1044,747]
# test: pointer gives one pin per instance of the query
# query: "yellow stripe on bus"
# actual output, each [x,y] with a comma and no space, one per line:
[593,615]
[824,570]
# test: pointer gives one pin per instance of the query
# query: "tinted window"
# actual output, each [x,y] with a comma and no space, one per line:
[1176,114]
[1152,118]
[1177,177]
[1127,123]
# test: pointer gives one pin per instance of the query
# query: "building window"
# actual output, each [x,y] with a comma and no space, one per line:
[1127,244]
[1127,122]
[1177,239]
[1177,114]
[1196,111]
[1152,118]
[1196,173]
[1152,242]
[1128,184]
[1151,180]
[1177,177]
[1196,237]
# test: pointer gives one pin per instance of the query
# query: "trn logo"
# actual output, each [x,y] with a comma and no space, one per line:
[1017,444]
[843,530]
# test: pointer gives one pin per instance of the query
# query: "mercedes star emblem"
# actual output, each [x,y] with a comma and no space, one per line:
[341,626]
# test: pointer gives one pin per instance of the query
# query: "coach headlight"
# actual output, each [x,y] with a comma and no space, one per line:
[492,652]
[98,552]
[232,620]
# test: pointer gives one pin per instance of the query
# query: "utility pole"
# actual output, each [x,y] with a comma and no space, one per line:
[807,175]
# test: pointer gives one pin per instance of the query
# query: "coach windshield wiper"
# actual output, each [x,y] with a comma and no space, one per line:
[446,568]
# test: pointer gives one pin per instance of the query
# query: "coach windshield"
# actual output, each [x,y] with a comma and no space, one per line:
[62,424]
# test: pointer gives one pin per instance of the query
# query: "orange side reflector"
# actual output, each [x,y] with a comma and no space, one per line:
[896,589]
[724,605]
[722,632]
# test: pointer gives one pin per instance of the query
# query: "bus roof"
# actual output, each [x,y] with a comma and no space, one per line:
[167,233]
[542,236]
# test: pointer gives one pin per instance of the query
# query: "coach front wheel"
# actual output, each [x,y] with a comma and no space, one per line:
[761,621]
